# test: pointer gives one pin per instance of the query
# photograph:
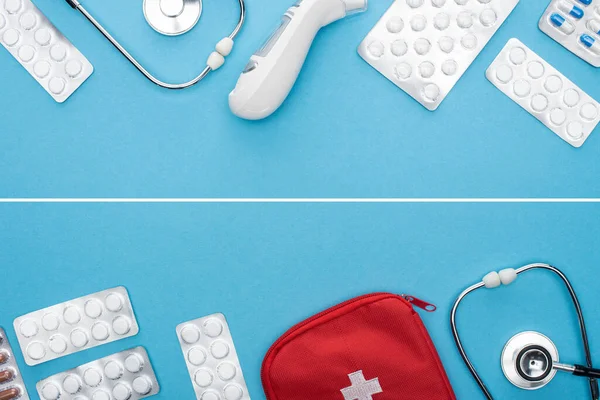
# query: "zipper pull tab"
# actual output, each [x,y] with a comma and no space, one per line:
[423,305]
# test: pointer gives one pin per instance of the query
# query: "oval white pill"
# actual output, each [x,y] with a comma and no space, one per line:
[11,37]
[58,53]
[488,17]
[50,391]
[449,67]
[422,46]
[210,395]
[28,328]
[571,97]
[522,88]
[233,392]
[36,351]
[56,85]
[41,69]
[100,331]
[72,384]
[92,377]
[113,370]
[2,21]
[142,385]
[196,356]
[395,25]
[418,23]
[588,111]
[431,92]
[553,83]
[539,102]
[376,49]
[114,301]
[121,325]
[28,21]
[226,371]
[399,48]
[558,116]
[575,130]
[100,395]
[441,21]
[219,349]
[535,69]
[402,71]
[12,6]
[42,36]
[79,338]
[190,334]
[464,19]
[469,41]
[485,1]
[58,344]
[461,2]
[50,321]
[203,378]
[446,44]
[134,363]
[517,55]
[213,328]
[92,308]
[504,73]
[438,3]
[71,315]
[426,69]
[414,3]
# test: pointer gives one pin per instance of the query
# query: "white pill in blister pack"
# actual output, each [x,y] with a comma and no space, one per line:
[211,359]
[544,92]
[127,375]
[425,46]
[11,382]
[575,25]
[76,325]
[41,49]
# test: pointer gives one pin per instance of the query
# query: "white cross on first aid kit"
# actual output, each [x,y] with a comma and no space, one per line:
[361,389]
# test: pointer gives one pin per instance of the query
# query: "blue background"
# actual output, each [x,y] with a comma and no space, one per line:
[345,131]
[267,267]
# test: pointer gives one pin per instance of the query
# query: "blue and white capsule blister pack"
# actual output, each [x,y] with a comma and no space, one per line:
[425,46]
[76,325]
[11,382]
[127,375]
[575,25]
[41,49]
[544,92]
[211,359]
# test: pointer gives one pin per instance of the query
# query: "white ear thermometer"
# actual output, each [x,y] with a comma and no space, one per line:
[272,71]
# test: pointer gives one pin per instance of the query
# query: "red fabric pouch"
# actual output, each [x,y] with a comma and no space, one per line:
[373,347]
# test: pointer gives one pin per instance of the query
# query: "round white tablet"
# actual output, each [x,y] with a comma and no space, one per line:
[422,46]
[79,338]
[226,371]
[446,44]
[539,102]
[575,130]
[50,391]
[213,328]
[438,3]
[196,356]
[376,49]
[11,37]
[203,378]
[441,21]
[517,55]
[210,395]
[101,395]
[134,363]
[50,321]
[190,334]
[464,19]
[41,69]
[399,48]
[522,88]
[588,111]
[449,67]
[72,384]
[233,392]
[219,349]
[418,23]
[56,85]
[42,36]
[92,377]
[504,73]
[469,41]
[72,315]
[403,70]
[58,52]
[121,325]
[395,25]
[488,17]
[113,301]
[12,6]
[92,308]
[28,328]
[431,92]
[142,385]
[113,370]
[558,116]
[73,68]
[535,69]
[426,69]
[58,344]
[553,83]
[28,21]
[100,331]
[36,351]
[571,97]
[414,3]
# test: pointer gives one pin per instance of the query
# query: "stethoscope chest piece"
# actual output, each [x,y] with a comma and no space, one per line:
[172,17]
[528,359]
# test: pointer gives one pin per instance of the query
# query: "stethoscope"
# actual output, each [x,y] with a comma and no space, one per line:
[529,360]
[173,18]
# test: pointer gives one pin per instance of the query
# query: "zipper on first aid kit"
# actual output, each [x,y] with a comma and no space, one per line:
[423,305]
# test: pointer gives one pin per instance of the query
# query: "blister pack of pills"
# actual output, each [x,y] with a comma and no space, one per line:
[576,25]
[544,92]
[127,375]
[41,49]
[76,325]
[11,383]
[211,359]
[425,46]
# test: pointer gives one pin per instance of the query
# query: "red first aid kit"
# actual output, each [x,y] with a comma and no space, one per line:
[373,347]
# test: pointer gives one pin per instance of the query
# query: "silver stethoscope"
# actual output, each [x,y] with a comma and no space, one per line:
[172,17]
[529,360]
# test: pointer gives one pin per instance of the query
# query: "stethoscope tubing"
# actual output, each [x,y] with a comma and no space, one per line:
[584,336]
[174,86]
